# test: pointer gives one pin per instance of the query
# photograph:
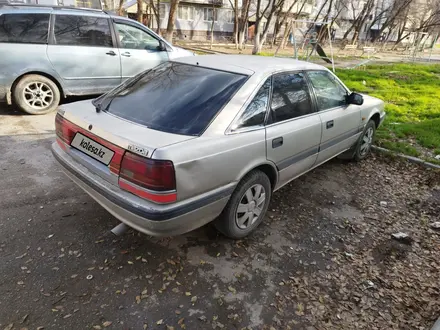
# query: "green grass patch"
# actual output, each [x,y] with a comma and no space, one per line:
[412,96]
[266,54]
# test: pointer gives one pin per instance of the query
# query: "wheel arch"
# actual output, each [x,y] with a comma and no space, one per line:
[40,73]
[267,168]
[376,118]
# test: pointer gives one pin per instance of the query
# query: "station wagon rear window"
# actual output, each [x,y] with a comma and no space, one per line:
[174,97]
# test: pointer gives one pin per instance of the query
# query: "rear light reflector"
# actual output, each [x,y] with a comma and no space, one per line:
[163,198]
[156,176]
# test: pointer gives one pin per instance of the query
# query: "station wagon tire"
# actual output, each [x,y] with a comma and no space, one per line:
[363,146]
[36,95]
[247,206]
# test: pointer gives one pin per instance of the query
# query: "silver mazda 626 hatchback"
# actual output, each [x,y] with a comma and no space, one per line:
[210,138]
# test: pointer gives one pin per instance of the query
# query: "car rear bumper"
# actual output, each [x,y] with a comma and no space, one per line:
[146,217]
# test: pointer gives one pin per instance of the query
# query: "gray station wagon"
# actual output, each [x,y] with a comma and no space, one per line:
[210,138]
[48,53]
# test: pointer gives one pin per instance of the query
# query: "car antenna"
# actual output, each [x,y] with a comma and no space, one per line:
[197,63]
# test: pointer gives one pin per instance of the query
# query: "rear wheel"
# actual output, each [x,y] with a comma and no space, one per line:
[246,207]
[36,95]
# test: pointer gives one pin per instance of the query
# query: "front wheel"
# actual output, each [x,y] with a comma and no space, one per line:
[365,142]
[246,207]
[36,95]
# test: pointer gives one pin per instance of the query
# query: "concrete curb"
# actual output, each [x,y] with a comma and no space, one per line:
[412,160]
[436,325]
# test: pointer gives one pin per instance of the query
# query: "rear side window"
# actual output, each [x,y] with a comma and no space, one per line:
[24,28]
[290,97]
[255,112]
[89,31]
[174,97]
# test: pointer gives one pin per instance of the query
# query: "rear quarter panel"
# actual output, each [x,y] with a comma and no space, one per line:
[20,59]
[208,163]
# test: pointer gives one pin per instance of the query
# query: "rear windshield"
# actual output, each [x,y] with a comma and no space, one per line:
[174,97]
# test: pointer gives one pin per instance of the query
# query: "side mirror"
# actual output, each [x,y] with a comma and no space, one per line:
[162,46]
[355,98]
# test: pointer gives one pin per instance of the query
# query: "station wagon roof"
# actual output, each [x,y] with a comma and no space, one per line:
[42,9]
[249,64]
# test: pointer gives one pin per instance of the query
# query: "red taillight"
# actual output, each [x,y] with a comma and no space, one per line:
[64,129]
[155,175]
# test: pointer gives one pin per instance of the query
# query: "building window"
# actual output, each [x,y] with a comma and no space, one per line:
[230,16]
[209,14]
[162,9]
[185,12]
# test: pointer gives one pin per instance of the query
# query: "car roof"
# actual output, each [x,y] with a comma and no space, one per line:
[43,9]
[249,64]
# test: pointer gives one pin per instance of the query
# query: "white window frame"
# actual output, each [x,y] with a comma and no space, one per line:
[162,10]
[205,14]
[230,16]
[185,13]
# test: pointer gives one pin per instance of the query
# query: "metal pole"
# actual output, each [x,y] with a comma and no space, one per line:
[294,46]
[434,41]
[331,47]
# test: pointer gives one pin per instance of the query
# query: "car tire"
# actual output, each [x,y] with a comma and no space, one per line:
[36,94]
[248,195]
[363,146]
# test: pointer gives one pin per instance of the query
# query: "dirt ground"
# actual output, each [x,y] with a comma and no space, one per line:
[324,257]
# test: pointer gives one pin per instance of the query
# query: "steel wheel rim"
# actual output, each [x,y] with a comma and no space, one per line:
[250,207]
[38,95]
[367,141]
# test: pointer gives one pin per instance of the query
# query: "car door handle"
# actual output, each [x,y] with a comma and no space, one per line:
[278,142]
[126,54]
[111,53]
[330,124]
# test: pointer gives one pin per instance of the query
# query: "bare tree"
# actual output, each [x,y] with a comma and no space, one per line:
[391,14]
[290,26]
[140,11]
[212,24]
[423,18]
[242,22]
[317,16]
[268,13]
[174,4]
[236,22]
[359,20]
[282,16]
[156,12]
[121,8]
[234,7]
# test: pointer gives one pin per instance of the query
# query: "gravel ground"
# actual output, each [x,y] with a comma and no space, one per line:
[324,257]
